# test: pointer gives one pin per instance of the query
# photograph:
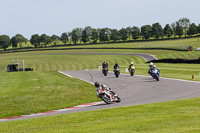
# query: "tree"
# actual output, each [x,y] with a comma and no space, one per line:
[129,31]
[64,38]
[84,36]
[173,25]
[14,41]
[157,30]
[79,32]
[135,32]
[18,39]
[184,23]
[179,29]
[192,29]
[45,39]
[114,35]
[88,30]
[168,31]
[74,36]
[55,39]
[35,40]
[70,37]
[95,35]
[103,36]
[123,34]
[4,41]
[198,29]
[146,31]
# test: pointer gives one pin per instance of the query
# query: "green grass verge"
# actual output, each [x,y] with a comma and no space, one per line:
[172,116]
[32,92]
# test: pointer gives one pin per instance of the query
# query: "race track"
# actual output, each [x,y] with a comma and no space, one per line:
[141,89]
[134,90]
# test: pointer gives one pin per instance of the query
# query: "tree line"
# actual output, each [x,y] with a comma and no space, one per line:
[90,35]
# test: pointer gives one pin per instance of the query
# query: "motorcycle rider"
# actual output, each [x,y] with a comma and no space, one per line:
[151,67]
[104,65]
[131,65]
[99,88]
[116,66]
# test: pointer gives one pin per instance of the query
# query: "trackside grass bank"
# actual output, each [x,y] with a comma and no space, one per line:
[33,92]
[172,116]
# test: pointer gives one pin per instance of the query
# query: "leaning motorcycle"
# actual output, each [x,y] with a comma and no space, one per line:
[155,74]
[105,71]
[132,70]
[117,72]
[108,96]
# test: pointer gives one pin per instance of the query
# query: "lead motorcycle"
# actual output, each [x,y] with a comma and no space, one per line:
[117,72]
[155,74]
[108,96]
[105,71]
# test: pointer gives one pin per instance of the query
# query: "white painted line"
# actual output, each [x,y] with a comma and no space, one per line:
[72,77]
[65,74]
[63,109]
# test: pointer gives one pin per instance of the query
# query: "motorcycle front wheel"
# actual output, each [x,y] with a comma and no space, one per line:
[106,98]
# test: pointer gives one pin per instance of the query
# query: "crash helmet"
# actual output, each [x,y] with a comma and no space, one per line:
[96,84]
[131,63]
[104,86]
[116,64]
[151,63]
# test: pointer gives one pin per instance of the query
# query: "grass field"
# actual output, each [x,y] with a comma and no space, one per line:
[180,44]
[179,116]
[45,89]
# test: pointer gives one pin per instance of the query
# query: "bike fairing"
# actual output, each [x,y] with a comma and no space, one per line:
[103,89]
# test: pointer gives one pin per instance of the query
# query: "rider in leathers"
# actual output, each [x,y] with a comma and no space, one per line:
[151,67]
[104,65]
[130,66]
[99,88]
[116,66]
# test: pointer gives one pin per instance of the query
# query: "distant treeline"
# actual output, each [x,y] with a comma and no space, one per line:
[88,35]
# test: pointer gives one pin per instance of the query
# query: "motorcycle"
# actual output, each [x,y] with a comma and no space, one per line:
[155,74]
[108,96]
[105,71]
[132,70]
[117,72]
